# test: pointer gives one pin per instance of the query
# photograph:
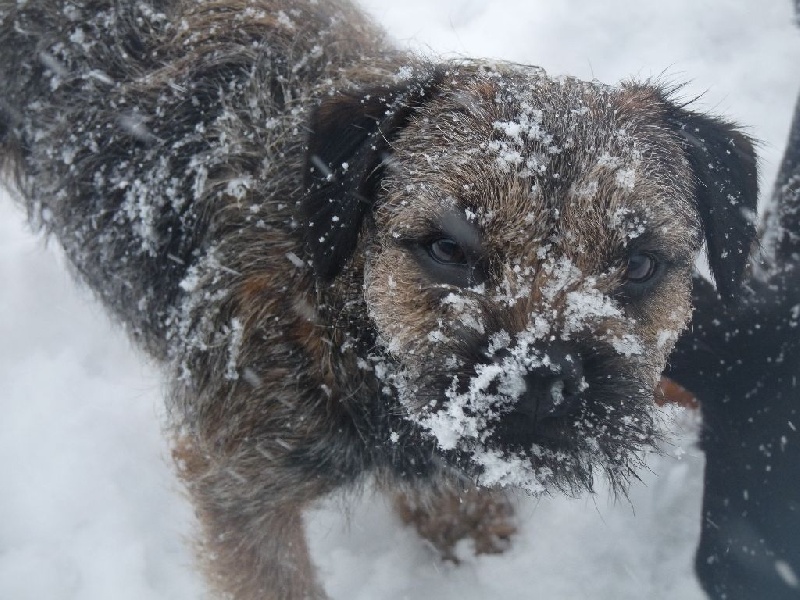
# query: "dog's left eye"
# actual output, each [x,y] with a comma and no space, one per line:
[447,252]
[641,268]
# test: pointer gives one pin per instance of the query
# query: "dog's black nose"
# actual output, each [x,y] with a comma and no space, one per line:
[554,388]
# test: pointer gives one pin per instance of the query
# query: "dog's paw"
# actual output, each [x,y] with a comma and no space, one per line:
[453,520]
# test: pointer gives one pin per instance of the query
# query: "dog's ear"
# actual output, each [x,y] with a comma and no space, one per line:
[726,190]
[350,137]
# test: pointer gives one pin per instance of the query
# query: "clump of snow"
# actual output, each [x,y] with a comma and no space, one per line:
[467,309]
[627,223]
[626,178]
[510,150]
[295,260]
[468,415]
[788,574]
[235,332]
[666,337]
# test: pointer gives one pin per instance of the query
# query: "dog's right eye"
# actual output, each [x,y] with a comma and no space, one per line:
[446,251]
[446,261]
[641,268]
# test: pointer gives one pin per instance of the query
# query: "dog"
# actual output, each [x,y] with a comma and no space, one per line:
[741,361]
[452,277]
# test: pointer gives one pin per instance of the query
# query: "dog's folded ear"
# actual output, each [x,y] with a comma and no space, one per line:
[350,138]
[726,191]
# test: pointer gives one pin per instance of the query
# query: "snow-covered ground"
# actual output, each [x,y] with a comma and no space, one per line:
[89,509]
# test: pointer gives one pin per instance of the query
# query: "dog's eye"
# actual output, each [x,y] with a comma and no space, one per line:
[447,252]
[641,268]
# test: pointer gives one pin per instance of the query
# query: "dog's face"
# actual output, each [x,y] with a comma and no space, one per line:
[527,260]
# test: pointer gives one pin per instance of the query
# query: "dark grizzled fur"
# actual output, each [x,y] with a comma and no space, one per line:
[717,164]
[742,361]
[151,91]
[250,186]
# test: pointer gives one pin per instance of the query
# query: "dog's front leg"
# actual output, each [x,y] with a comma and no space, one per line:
[253,544]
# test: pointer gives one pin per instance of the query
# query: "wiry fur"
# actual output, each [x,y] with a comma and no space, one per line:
[252,188]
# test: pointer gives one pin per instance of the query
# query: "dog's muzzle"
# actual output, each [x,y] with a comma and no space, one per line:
[553,393]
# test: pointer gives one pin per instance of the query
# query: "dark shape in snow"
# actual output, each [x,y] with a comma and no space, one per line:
[742,361]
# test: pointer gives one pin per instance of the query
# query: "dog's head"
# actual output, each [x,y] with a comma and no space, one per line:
[527,245]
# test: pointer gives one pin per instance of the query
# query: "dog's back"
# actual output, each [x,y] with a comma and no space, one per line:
[126,125]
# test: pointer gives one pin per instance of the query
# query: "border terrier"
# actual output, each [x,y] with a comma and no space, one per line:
[452,276]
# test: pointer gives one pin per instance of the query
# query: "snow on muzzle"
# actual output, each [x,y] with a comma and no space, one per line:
[535,407]
[520,388]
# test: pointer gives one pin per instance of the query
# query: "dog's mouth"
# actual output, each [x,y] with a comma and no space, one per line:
[540,418]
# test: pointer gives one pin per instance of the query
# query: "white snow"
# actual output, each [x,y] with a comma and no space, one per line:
[90,508]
